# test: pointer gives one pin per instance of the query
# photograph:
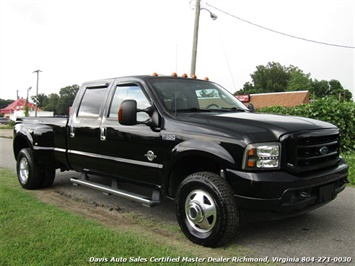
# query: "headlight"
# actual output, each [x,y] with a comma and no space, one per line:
[262,156]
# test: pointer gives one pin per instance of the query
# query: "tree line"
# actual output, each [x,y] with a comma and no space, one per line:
[275,77]
[59,104]
[272,77]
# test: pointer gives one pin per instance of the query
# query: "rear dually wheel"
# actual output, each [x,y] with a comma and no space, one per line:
[30,174]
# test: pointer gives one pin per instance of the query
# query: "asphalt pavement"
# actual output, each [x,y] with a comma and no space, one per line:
[321,235]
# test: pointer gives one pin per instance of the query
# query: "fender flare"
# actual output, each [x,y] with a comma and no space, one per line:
[24,136]
[188,149]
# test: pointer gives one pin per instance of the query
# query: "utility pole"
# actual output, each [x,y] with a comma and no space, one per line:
[37,90]
[195,38]
[26,106]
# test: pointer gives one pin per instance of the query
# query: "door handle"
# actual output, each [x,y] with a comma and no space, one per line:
[72,132]
[103,133]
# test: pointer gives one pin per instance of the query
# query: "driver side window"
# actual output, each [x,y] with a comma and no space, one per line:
[129,92]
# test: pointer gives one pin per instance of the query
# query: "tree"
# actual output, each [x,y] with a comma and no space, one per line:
[332,88]
[40,100]
[67,95]
[4,103]
[26,112]
[270,78]
[277,78]
[337,91]
[319,89]
[52,103]
[299,81]
[347,95]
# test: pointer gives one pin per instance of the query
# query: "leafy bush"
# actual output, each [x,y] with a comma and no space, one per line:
[341,114]
[350,159]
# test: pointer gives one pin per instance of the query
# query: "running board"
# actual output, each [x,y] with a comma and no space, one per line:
[154,201]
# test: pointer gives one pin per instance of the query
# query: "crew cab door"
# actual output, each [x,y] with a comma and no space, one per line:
[84,144]
[131,152]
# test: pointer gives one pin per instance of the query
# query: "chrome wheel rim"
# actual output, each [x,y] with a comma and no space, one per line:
[200,210]
[24,170]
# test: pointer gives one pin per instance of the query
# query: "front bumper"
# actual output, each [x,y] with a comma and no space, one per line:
[280,194]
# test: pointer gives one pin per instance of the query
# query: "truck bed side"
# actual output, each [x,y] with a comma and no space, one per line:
[46,136]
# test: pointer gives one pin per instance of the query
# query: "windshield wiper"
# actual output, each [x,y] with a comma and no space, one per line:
[223,109]
[233,109]
[193,110]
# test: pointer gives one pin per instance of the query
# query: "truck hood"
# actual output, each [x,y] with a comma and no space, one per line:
[252,127]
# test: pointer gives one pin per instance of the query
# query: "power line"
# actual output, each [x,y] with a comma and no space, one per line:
[279,32]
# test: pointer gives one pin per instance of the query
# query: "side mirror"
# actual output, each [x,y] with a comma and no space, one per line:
[127,113]
[251,107]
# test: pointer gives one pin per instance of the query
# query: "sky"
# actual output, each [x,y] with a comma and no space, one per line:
[73,41]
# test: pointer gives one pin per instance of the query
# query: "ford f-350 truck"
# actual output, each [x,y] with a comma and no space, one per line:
[189,140]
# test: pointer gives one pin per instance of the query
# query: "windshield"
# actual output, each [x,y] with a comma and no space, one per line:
[194,95]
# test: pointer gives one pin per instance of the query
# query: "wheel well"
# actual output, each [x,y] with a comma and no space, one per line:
[19,144]
[189,165]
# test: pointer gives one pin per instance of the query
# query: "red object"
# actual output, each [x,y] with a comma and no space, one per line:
[17,105]
[243,98]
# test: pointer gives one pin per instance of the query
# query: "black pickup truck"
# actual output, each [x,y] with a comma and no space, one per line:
[189,140]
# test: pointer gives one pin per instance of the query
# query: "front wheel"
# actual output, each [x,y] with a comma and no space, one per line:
[205,209]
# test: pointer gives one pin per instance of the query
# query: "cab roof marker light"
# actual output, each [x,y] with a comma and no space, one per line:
[155,74]
[194,76]
[174,74]
[184,75]
[206,78]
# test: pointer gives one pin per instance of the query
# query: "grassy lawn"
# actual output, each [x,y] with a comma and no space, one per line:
[36,233]
[6,127]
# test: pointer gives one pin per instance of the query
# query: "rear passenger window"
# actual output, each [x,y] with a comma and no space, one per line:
[91,102]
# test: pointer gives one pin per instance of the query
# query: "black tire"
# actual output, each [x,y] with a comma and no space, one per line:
[205,209]
[28,173]
[48,175]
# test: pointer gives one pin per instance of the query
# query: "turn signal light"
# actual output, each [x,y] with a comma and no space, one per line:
[252,152]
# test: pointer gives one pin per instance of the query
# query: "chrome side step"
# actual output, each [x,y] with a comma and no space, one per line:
[154,201]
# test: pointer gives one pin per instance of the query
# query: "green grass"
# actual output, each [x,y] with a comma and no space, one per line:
[350,159]
[35,233]
[10,126]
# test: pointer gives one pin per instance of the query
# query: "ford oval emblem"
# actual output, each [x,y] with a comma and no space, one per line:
[324,150]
